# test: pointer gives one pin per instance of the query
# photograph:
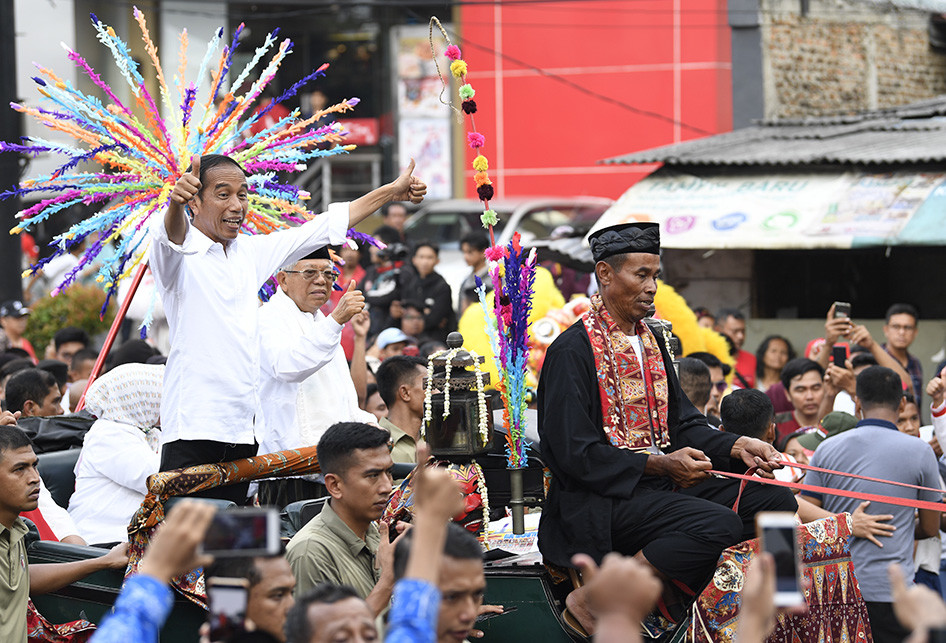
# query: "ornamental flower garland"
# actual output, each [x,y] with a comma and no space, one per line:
[483,420]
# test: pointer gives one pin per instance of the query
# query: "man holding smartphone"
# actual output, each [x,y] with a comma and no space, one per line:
[876,448]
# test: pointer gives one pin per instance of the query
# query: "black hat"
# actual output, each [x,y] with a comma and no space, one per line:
[626,237]
[13,308]
[321,253]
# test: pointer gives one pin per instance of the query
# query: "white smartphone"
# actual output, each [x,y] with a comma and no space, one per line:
[778,536]
[245,531]
[227,598]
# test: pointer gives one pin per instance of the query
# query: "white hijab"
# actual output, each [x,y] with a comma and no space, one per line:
[130,394]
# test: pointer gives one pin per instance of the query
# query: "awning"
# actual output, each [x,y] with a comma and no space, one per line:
[790,210]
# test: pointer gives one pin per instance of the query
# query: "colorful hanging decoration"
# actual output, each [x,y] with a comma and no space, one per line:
[512,273]
[142,153]
[476,141]
[513,277]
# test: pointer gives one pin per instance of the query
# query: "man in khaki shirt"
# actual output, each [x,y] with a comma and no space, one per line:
[14,581]
[343,545]
[19,491]
[401,386]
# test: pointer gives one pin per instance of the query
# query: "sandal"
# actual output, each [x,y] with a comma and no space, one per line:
[574,626]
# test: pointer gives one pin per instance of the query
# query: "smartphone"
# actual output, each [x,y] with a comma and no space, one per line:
[839,356]
[246,531]
[777,535]
[227,598]
[489,615]
[842,309]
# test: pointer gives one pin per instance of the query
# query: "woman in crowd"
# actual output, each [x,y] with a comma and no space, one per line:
[773,353]
[119,452]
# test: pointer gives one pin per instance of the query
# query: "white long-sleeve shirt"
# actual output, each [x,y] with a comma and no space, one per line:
[305,385]
[211,384]
[111,480]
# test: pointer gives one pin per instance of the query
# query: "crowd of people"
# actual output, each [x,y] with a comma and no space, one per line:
[336,359]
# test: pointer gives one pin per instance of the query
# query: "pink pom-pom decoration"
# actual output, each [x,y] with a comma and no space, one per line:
[475,139]
[452,52]
[495,253]
[485,192]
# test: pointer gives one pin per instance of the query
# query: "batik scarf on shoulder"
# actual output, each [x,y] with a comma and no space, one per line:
[633,403]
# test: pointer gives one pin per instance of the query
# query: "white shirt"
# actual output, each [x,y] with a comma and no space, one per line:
[58,267]
[211,385]
[305,383]
[111,480]
[58,519]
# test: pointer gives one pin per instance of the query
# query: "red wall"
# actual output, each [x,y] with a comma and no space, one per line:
[544,135]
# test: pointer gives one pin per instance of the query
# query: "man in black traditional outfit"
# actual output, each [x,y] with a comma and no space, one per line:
[620,438]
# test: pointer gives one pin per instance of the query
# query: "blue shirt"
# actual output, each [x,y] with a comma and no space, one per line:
[415,608]
[140,611]
[875,448]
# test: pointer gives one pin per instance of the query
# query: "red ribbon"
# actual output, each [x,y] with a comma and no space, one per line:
[799,465]
[873,497]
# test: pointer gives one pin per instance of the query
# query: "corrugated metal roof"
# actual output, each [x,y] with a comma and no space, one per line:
[910,134]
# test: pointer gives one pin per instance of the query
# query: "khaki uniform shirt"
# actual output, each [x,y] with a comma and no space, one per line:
[14,583]
[326,550]
[403,446]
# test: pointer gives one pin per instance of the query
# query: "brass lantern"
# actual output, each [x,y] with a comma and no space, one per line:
[458,421]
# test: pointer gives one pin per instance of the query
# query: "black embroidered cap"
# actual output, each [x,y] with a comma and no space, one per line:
[321,253]
[626,237]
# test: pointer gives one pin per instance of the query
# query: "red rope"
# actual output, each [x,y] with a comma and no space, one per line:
[799,465]
[873,497]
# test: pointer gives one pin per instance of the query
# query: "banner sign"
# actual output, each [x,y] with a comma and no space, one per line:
[787,211]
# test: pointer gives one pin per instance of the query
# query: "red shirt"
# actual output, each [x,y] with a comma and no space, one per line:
[745,366]
[786,426]
[348,335]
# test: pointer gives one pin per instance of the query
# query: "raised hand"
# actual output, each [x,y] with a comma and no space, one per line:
[835,327]
[862,337]
[621,586]
[937,388]
[188,185]
[916,607]
[407,187]
[361,323]
[351,303]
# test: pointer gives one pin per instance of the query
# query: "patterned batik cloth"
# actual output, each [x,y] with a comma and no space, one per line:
[182,482]
[633,401]
[401,504]
[39,630]
[836,611]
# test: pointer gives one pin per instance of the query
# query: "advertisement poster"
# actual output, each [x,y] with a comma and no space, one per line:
[423,121]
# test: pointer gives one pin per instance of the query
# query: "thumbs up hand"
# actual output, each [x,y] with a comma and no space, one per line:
[188,185]
[408,187]
[351,303]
